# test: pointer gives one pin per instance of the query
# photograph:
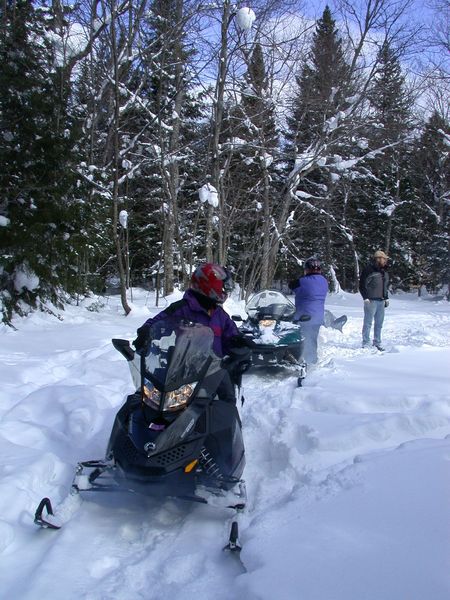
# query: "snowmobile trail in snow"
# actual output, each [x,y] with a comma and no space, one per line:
[134,535]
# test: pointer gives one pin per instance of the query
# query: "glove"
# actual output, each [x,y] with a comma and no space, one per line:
[386,303]
[239,358]
[143,338]
[238,341]
[367,301]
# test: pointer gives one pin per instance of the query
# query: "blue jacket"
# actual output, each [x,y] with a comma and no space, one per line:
[310,294]
[217,319]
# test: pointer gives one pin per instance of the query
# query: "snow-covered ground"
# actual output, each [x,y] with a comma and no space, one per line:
[348,477]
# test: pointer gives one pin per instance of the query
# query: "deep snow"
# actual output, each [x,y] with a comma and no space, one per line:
[347,478]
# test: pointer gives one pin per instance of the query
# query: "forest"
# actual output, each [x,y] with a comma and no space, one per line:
[140,137]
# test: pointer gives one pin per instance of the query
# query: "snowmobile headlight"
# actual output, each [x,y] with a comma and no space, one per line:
[267,323]
[151,395]
[178,398]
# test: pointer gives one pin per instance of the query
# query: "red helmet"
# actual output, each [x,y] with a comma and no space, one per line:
[213,281]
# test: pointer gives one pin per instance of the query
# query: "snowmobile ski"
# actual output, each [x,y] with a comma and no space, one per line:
[48,521]
[233,543]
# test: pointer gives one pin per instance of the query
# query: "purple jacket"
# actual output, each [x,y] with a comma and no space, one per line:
[310,297]
[223,326]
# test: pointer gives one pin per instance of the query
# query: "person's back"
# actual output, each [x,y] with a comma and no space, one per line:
[310,297]
[310,293]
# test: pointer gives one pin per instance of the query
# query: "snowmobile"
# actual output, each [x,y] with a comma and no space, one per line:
[275,340]
[173,437]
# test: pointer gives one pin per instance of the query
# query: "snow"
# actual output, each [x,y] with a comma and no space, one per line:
[342,165]
[446,137]
[208,194]
[303,161]
[25,278]
[68,42]
[267,159]
[245,17]
[302,194]
[123,218]
[347,477]
[389,209]
[331,124]
[4,221]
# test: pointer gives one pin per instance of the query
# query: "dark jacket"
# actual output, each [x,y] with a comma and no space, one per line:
[310,293]
[373,283]
[216,318]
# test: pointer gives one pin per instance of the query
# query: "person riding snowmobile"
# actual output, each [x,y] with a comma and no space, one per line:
[209,288]
[179,435]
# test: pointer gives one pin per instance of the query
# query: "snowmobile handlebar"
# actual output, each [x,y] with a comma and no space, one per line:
[123,346]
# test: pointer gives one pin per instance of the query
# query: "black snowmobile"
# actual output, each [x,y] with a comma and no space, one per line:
[173,437]
[275,340]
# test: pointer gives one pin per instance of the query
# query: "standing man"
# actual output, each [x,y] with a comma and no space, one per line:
[310,293]
[373,285]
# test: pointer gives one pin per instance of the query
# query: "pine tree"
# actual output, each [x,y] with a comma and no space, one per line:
[386,197]
[323,85]
[92,104]
[430,166]
[36,153]
[318,122]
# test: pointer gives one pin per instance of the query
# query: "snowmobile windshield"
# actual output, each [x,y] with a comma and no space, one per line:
[177,353]
[270,304]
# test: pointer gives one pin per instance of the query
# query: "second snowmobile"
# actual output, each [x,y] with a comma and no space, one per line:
[275,340]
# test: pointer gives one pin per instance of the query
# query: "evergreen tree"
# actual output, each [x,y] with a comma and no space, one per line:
[36,154]
[92,104]
[323,86]
[386,197]
[430,166]
[319,123]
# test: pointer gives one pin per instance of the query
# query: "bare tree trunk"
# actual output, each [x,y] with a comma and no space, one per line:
[387,244]
[173,169]
[168,250]
[265,282]
[216,130]
[115,162]
[356,268]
